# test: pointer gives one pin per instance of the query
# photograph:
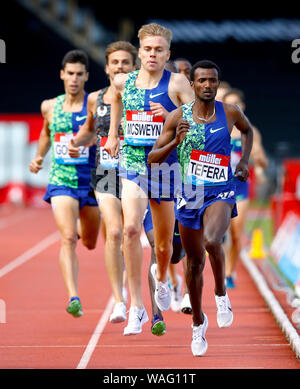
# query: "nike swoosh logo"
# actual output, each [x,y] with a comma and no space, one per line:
[78,118]
[157,94]
[212,130]
[140,318]
[176,234]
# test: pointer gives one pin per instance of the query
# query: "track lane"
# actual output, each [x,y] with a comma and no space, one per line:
[39,334]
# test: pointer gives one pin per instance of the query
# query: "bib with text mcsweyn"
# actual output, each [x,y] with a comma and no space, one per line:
[142,128]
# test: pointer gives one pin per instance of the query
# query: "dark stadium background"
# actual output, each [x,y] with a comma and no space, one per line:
[263,70]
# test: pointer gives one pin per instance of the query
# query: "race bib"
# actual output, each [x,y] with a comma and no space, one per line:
[106,160]
[142,128]
[207,168]
[61,142]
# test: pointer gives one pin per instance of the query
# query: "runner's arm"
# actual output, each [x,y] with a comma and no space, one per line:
[44,142]
[86,133]
[185,92]
[242,123]
[113,142]
[172,135]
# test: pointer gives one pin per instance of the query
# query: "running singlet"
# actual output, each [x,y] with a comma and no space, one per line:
[102,123]
[141,127]
[67,171]
[204,154]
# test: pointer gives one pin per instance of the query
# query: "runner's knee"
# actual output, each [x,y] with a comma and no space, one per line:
[69,239]
[114,235]
[132,231]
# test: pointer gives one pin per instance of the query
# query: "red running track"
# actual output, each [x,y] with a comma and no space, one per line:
[39,334]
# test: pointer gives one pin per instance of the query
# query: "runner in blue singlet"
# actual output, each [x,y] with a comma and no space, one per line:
[200,132]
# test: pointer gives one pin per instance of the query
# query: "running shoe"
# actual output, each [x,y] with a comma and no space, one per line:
[137,317]
[162,294]
[224,314]
[119,313]
[230,284]
[158,326]
[199,343]
[186,304]
[176,295]
[74,307]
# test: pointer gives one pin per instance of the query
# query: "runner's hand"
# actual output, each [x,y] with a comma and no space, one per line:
[181,131]
[36,164]
[158,110]
[73,150]
[241,171]
[112,146]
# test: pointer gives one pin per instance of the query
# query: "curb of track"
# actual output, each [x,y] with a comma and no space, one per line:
[284,323]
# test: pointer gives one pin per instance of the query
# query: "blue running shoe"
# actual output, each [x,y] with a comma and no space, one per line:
[158,327]
[230,282]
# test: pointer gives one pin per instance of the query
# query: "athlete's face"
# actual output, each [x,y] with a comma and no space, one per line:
[205,83]
[119,62]
[74,76]
[184,68]
[154,53]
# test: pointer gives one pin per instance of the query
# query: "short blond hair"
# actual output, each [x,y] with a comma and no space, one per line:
[121,45]
[154,29]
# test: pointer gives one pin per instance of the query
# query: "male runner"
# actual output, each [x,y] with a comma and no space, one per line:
[69,178]
[200,132]
[146,98]
[120,58]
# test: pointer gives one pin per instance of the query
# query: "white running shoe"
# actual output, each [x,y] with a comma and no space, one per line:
[162,294]
[199,343]
[186,304]
[118,314]
[137,317]
[176,295]
[224,314]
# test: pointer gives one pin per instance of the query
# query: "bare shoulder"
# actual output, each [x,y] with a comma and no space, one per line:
[47,107]
[179,81]
[92,97]
[92,100]
[232,110]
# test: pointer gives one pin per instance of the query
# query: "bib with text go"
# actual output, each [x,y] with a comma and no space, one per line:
[61,142]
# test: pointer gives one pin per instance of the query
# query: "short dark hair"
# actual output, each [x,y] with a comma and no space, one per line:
[206,64]
[181,59]
[237,92]
[75,56]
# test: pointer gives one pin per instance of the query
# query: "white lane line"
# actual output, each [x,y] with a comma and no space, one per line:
[279,314]
[96,335]
[29,254]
